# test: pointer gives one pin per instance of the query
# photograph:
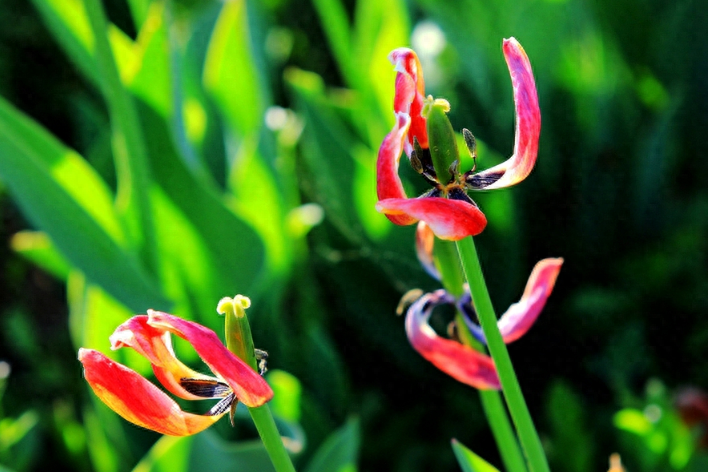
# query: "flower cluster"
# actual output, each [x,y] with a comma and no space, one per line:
[137,400]
[451,356]
[423,132]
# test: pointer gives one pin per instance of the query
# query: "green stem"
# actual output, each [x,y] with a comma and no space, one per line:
[528,436]
[240,342]
[265,424]
[129,150]
[448,263]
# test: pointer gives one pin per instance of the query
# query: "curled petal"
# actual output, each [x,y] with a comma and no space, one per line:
[457,360]
[388,184]
[410,94]
[424,243]
[528,125]
[448,219]
[249,387]
[520,316]
[134,398]
[156,345]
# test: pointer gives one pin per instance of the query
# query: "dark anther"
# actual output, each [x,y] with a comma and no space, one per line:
[433,192]
[205,388]
[457,193]
[471,144]
[481,181]
[426,161]
[415,162]
[408,299]
[262,358]
[223,406]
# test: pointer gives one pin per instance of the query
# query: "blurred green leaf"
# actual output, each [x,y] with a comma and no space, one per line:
[469,461]
[230,58]
[63,196]
[572,449]
[287,392]
[339,452]
[37,247]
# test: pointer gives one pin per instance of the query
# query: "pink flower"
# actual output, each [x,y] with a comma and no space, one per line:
[447,208]
[137,400]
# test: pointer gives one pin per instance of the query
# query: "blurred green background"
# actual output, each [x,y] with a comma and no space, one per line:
[230,148]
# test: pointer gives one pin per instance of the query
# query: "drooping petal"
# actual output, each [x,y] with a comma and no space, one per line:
[424,243]
[519,318]
[156,345]
[528,125]
[457,360]
[448,219]
[249,387]
[134,398]
[388,184]
[410,94]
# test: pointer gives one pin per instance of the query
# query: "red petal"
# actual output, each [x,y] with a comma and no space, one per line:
[528,120]
[410,94]
[249,387]
[520,316]
[388,184]
[156,345]
[457,360]
[448,219]
[424,243]
[134,398]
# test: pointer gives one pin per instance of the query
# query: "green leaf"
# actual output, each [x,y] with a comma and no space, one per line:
[230,74]
[202,452]
[469,461]
[62,195]
[37,247]
[339,452]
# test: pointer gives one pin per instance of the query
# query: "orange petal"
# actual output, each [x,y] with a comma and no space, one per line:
[520,316]
[457,360]
[134,398]
[448,219]
[250,388]
[156,345]
[424,243]
[528,125]
[410,94]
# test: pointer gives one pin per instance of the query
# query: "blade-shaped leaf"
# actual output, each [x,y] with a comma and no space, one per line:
[339,451]
[469,461]
[61,194]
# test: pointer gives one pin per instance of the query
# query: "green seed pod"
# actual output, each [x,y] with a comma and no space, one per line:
[441,138]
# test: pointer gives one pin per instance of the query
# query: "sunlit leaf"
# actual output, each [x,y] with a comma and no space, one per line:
[38,248]
[469,461]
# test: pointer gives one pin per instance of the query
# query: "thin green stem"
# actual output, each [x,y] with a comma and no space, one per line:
[528,436]
[453,279]
[240,342]
[129,150]
[265,424]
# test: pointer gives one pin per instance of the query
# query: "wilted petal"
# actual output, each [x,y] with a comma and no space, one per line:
[520,316]
[410,94]
[457,360]
[249,387]
[528,125]
[448,219]
[424,243]
[156,345]
[388,184]
[134,398]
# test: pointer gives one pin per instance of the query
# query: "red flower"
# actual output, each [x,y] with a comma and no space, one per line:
[134,398]
[447,208]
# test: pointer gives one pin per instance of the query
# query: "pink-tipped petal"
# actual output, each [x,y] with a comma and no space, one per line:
[156,345]
[424,243]
[520,316]
[410,94]
[134,398]
[249,387]
[457,360]
[388,184]
[528,123]
[448,219]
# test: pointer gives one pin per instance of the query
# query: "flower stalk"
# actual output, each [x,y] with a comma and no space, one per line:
[453,279]
[240,341]
[518,410]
